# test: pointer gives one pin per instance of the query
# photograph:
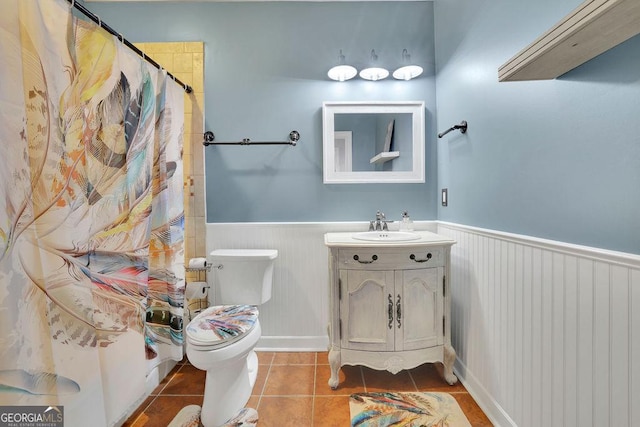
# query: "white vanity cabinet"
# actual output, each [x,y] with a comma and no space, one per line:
[389,304]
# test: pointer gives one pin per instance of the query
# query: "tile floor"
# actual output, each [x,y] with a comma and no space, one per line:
[291,390]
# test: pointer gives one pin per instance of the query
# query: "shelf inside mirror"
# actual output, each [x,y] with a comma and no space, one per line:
[385,156]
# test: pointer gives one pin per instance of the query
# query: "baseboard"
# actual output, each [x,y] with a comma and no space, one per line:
[489,406]
[284,343]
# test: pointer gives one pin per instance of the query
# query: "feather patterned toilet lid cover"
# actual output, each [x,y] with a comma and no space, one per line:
[222,322]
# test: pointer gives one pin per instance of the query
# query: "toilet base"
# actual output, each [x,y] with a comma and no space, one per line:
[228,388]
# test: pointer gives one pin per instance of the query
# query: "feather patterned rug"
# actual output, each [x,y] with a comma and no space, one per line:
[189,416]
[410,409]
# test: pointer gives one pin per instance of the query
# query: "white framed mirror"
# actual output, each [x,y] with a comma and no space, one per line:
[373,142]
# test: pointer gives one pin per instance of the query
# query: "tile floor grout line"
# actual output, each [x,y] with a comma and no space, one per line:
[412,380]
[155,397]
[364,384]
[181,394]
[170,379]
[289,395]
[145,408]
[313,398]
[266,378]
[285,364]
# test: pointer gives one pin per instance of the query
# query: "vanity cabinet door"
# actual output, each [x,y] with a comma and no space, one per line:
[367,310]
[419,305]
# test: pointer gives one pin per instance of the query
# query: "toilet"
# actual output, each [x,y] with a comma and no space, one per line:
[221,339]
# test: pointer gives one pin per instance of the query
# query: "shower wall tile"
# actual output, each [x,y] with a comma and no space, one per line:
[187,128]
[183,63]
[173,47]
[188,99]
[186,77]
[187,160]
[164,59]
[200,231]
[199,99]
[199,194]
[197,124]
[198,69]
[197,159]
[193,47]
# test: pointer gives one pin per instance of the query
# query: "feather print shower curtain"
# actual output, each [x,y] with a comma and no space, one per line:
[91,216]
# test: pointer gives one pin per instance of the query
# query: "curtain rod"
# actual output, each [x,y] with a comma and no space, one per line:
[97,20]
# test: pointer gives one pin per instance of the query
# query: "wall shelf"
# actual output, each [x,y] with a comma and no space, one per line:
[591,29]
[385,156]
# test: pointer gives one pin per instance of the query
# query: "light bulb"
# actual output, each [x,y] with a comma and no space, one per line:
[407,72]
[374,73]
[342,72]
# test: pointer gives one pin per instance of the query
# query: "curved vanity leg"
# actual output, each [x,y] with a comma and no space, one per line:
[449,359]
[334,363]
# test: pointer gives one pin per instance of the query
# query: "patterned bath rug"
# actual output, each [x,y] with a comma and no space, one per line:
[411,409]
[189,416]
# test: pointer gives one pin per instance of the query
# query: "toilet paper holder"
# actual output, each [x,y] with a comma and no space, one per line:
[194,306]
[207,268]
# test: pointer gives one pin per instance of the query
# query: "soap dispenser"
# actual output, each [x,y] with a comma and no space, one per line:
[406,224]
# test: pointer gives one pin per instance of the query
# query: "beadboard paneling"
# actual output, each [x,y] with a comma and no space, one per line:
[297,315]
[546,333]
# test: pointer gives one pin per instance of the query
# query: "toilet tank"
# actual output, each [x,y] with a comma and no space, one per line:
[241,276]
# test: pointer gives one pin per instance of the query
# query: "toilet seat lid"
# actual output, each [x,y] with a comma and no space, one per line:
[222,324]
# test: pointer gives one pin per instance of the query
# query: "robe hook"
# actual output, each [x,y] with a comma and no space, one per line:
[462,126]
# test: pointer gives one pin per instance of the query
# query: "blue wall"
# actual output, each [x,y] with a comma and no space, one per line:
[554,159]
[265,75]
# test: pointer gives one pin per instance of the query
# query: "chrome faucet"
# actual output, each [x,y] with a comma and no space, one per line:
[380,223]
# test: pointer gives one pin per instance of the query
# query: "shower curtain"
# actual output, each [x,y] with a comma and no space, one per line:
[91,215]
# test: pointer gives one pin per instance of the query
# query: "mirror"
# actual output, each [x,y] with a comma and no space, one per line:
[370,142]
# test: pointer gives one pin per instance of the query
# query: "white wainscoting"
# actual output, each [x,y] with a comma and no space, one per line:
[546,333]
[297,315]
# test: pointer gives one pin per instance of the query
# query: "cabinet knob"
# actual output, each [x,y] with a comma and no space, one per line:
[373,258]
[413,257]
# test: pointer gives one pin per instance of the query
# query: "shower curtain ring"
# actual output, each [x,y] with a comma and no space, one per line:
[99,21]
[73,3]
[120,36]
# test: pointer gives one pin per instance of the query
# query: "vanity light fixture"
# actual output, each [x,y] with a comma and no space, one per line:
[342,72]
[408,71]
[374,73]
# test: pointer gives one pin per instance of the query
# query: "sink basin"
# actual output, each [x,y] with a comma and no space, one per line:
[386,236]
